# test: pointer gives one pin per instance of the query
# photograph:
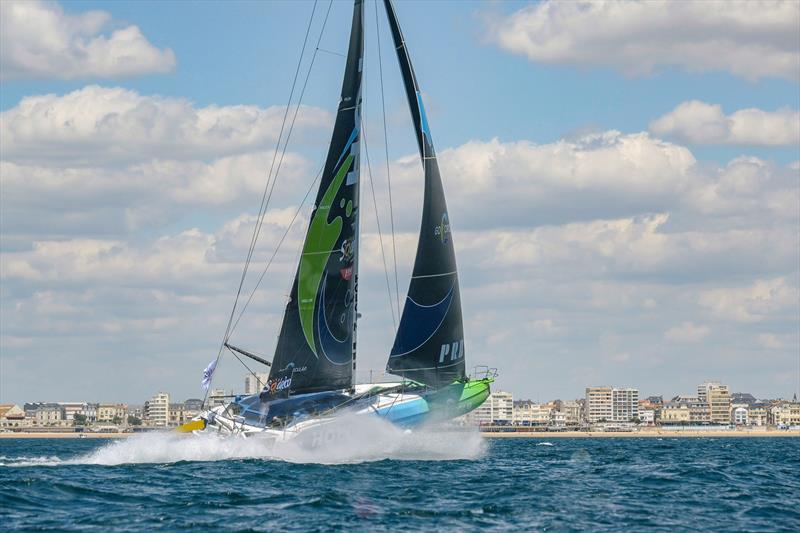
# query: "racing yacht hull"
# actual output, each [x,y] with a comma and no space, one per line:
[313,415]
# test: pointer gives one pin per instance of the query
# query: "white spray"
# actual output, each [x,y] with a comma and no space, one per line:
[357,439]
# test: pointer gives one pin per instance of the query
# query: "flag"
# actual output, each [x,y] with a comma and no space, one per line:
[208,373]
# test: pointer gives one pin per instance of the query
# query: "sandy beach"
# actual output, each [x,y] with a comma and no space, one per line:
[641,434]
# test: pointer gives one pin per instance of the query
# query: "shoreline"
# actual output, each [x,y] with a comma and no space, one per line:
[490,435]
[639,434]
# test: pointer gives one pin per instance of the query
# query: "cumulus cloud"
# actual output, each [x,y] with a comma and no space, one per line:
[751,303]
[101,125]
[748,39]
[40,40]
[702,123]
[61,202]
[603,176]
[559,244]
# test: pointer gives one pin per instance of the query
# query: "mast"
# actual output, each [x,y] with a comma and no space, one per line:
[316,345]
[429,344]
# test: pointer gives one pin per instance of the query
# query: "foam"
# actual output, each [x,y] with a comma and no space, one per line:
[357,439]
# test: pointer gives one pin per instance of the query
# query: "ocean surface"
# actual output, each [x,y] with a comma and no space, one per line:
[401,481]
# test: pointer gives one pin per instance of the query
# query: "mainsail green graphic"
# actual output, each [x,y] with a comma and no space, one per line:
[322,236]
[316,346]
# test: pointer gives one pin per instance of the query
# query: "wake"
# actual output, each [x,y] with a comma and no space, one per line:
[358,439]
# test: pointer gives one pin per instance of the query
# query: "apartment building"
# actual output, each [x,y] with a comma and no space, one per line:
[109,412]
[599,404]
[718,398]
[254,382]
[156,410]
[528,413]
[497,409]
[610,404]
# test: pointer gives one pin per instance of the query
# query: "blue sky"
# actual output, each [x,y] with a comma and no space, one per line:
[614,231]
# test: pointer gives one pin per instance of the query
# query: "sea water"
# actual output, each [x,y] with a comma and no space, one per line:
[393,479]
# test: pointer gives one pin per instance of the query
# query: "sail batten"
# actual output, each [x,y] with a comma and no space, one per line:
[316,345]
[429,344]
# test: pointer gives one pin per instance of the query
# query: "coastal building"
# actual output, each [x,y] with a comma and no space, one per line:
[625,404]
[12,416]
[718,398]
[112,412]
[176,414]
[785,415]
[573,411]
[528,413]
[611,404]
[49,414]
[497,409]
[30,409]
[254,382]
[88,410]
[558,419]
[156,410]
[216,397]
[647,417]
[136,411]
[651,403]
[739,414]
[180,413]
[599,404]
[758,414]
[676,412]
[698,411]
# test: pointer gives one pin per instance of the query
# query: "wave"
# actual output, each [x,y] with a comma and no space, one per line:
[356,439]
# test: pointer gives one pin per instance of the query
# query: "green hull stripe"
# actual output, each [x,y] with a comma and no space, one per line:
[321,237]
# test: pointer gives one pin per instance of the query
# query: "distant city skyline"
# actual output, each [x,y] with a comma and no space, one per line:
[624,206]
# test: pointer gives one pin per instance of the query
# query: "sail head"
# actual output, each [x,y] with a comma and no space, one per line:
[316,345]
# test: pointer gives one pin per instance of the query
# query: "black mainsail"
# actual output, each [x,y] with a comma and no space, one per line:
[429,345]
[316,346]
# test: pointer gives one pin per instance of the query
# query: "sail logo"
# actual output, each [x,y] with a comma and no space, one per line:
[451,351]
[279,384]
[443,230]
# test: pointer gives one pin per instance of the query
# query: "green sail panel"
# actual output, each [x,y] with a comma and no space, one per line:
[429,344]
[316,346]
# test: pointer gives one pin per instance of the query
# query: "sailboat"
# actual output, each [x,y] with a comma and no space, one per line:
[311,377]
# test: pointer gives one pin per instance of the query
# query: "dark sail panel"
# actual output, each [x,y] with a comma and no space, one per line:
[316,347]
[429,345]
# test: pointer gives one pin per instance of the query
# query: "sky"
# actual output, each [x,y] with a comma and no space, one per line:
[623,181]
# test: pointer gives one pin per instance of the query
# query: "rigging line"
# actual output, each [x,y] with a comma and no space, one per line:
[274,177]
[378,222]
[262,210]
[386,145]
[283,155]
[275,252]
[300,99]
[265,202]
[377,218]
[247,367]
[331,52]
